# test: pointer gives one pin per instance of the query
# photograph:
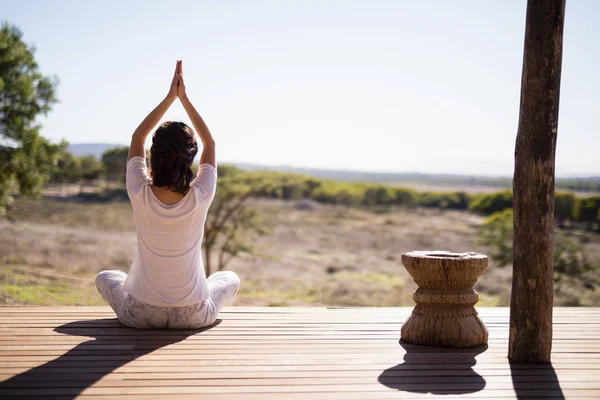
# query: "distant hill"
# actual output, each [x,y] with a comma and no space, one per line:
[94,149]
[363,176]
[584,183]
[415,179]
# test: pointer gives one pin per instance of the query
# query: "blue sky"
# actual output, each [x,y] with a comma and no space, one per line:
[403,86]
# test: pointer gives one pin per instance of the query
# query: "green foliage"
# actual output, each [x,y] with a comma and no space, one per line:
[570,261]
[229,171]
[588,210]
[68,168]
[287,186]
[91,167]
[341,193]
[115,163]
[497,231]
[379,195]
[310,185]
[71,169]
[24,92]
[444,200]
[565,207]
[405,197]
[490,203]
[26,159]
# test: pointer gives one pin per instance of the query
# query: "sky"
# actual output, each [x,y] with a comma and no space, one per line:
[389,86]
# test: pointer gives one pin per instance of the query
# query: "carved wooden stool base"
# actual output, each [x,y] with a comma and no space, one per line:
[444,314]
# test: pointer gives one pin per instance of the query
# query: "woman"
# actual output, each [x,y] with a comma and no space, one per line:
[166,286]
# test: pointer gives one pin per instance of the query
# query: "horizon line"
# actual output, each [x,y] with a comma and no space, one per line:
[575,176]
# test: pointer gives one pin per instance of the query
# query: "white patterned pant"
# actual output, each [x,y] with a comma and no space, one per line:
[222,286]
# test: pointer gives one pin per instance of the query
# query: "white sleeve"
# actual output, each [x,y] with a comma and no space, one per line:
[206,180]
[137,175]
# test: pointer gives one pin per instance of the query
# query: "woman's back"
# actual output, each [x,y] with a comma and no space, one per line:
[166,196]
[167,269]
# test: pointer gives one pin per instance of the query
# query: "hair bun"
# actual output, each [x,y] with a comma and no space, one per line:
[172,154]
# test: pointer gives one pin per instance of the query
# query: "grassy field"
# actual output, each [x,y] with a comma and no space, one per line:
[51,249]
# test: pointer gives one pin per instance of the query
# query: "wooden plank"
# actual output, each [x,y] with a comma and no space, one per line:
[217,371]
[203,341]
[259,334]
[95,346]
[249,312]
[263,325]
[196,364]
[200,340]
[350,396]
[291,310]
[325,353]
[323,316]
[422,376]
[364,384]
[370,391]
[356,396]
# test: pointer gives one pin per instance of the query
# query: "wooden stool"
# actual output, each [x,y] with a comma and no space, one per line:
[444,314]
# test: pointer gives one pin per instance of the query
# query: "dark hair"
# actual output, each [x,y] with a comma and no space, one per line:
[172,153]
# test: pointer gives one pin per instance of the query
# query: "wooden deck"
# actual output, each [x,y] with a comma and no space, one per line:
[282,353]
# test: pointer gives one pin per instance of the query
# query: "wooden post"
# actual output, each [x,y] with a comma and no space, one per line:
[533,185]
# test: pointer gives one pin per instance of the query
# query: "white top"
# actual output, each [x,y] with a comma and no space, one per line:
[167,269]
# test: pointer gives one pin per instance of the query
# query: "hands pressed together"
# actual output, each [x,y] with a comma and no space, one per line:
[177,88]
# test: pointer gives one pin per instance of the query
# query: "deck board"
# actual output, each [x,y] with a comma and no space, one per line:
[283,353]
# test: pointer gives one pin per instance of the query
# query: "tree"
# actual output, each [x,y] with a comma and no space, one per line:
[71,169]
[405,197]
[569,259]
[26,159]
[91,170]
[231,224]
[311,184]
[530,338]
[68,168]
[379,195]
[459,201]
[91,167]
[115,163]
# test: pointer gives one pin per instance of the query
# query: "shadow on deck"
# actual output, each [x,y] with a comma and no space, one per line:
[102,352]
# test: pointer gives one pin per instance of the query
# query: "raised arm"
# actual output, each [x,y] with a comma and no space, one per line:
[208,144]
[136,148]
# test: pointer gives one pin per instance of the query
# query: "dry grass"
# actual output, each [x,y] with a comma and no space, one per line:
[72,239]
[349,257]
[329,256]
[50,251]
[28,285]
